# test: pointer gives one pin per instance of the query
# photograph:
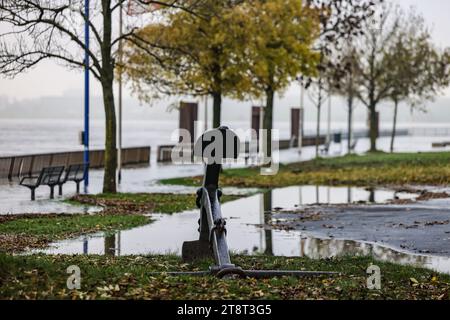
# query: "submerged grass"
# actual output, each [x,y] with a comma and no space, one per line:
[44,277]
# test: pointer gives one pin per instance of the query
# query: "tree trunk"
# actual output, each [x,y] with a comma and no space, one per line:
[109,179]
[268,120]
[350,123]
[373,128]
[318,131]
[394,125]
[350,114]
[319,106]
[217,106]
[107,75]
[373,134]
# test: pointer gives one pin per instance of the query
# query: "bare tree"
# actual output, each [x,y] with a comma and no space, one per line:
[318,92]
[38,30]
[373,85]
[343,82]
[340,22]
[417,70]
[393,60]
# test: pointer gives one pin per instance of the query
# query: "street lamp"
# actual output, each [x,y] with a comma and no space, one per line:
[119,142]
[86,97]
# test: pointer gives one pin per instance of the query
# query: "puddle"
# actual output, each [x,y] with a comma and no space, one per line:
[167,233]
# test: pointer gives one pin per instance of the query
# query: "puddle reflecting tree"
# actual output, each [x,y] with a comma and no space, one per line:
[267,206]
[110,244]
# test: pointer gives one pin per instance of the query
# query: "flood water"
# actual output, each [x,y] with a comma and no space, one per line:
[246,234]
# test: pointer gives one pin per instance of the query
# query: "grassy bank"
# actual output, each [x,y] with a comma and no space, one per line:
[373,169]
[44,277]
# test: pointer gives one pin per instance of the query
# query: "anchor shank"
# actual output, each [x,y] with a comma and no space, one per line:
[216,226]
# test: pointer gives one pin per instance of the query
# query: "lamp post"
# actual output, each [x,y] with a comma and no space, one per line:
[329,119]
[302,120]
[86,97]
[119,142]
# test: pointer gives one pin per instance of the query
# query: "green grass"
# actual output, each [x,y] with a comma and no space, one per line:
[56,227]
[23,232]
[373,169]
[44,277]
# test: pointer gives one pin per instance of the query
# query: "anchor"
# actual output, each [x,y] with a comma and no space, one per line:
[214,147]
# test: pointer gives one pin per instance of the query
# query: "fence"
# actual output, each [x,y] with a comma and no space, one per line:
[16,166]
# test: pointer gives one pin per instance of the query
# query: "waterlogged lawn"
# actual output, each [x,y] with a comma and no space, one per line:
[121,212]
[44,277]
[20,233]
[374,169]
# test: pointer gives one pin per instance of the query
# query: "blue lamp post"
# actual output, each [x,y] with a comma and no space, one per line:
[86,98]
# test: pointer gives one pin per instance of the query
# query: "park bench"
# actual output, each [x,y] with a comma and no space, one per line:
[165,153]
[353,145]
[49,176]
[74,173]
[325,148]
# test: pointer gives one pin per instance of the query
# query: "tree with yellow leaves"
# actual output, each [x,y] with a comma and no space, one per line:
[281,37]
[237,48]
[292,38]
[190,54]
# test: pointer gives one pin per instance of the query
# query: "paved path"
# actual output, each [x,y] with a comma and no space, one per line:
[420,228]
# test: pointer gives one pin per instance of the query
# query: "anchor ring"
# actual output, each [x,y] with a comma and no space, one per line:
[231,271]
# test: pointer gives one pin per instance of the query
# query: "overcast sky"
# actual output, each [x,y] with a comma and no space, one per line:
[49,79]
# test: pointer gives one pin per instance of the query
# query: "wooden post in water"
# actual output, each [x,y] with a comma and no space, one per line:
[188,117]
[295,126]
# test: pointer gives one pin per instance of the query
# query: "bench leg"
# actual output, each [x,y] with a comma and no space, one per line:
[52,192]
[60,190]
[33,194]
[78,187]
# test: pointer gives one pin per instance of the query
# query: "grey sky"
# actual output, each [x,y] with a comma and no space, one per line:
[49,79]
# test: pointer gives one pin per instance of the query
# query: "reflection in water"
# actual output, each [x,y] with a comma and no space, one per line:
[349,195]
[244,216]
[85,245]
[266,213]
[110,245]
[371,195]
[316,248]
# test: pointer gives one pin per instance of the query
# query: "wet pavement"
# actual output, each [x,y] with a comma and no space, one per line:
[420,229]
[366,230]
